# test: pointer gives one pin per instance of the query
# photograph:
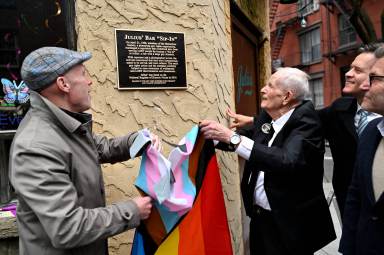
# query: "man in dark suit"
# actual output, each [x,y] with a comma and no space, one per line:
[340,121]
[282,181]
[363,226]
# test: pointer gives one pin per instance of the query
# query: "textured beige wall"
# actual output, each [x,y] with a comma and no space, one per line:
[169,113]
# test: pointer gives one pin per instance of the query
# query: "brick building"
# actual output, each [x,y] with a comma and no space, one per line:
[226,55]
[317,37]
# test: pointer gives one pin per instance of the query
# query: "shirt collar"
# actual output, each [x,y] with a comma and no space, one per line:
[43,104]
[80,116]
[380,126]
[373,114]
[279,123]
[358,107]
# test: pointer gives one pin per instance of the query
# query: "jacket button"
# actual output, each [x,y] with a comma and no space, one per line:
[374,218]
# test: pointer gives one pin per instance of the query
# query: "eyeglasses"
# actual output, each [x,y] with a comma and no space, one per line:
[373,78]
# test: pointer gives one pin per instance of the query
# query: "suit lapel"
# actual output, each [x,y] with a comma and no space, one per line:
[378,208]
[297,113]
[258,135]
[250,174]
[368,148]
[347,111]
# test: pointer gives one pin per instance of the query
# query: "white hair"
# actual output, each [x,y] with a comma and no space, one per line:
[294,80]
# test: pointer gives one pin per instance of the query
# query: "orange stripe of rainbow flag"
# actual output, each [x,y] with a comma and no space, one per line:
[204,230]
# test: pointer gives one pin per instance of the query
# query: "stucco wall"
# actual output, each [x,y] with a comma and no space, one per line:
[169,113]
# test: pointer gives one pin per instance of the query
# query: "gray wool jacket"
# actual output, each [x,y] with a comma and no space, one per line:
[55,171]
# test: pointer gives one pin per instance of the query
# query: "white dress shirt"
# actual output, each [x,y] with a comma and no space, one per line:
[244,150]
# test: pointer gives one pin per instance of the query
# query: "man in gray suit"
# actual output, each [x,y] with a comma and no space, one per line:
[55,163]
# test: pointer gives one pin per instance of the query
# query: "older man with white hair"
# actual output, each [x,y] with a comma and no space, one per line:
[282,181]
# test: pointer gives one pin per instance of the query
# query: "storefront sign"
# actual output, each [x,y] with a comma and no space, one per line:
[150,60]
[9,121]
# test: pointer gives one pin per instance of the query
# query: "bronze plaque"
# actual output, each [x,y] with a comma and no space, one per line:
[150,60]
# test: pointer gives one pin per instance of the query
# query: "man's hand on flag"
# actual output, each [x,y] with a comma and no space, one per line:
[156,142]
[145,206]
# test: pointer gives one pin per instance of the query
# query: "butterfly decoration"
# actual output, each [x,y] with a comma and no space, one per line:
[15,93]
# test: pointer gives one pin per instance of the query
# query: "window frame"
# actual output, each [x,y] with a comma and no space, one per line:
[345,31]
[306,7]
[313,96]
[7,132]
[308,36]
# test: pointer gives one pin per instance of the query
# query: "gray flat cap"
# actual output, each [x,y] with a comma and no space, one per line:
[42,66]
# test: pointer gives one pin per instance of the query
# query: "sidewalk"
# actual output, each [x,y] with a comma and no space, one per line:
[331,249]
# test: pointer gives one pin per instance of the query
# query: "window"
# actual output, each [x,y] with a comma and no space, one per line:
[305,7]
[25,25]
[346,31]
[316,92]
[310,46]
[6,192]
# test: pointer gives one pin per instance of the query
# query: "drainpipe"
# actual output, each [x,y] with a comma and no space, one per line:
[330,54]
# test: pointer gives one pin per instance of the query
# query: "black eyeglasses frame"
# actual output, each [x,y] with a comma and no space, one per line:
[375,77]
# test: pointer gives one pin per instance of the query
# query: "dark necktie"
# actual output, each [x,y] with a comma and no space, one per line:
[254,175]
[269,135]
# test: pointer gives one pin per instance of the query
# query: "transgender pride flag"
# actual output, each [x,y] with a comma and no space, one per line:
[188,178]
[167,180]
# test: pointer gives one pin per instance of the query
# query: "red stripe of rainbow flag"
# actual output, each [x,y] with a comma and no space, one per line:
[204,230]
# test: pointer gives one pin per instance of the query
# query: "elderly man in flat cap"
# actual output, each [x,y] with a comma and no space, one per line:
[55,163]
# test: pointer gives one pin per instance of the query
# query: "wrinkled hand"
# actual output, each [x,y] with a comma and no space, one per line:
[145,206]
[215,131]
[239,120]
[156,142]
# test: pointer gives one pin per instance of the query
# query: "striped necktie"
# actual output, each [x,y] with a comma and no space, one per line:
[363,121]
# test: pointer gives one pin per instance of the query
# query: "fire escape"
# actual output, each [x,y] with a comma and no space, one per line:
[277,36]
[358,18]
[347,12]
[277,39]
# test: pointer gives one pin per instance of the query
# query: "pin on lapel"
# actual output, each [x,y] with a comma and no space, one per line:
[266,128]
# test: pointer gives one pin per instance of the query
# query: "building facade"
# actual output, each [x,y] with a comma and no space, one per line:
[317,37]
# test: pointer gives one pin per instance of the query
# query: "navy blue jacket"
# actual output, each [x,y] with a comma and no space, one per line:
[363,221]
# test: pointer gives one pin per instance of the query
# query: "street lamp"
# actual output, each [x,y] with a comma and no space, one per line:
[303,22]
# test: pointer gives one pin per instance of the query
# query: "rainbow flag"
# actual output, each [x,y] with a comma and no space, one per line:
[200,230]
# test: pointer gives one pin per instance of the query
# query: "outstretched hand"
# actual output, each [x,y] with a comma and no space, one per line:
[215,131]
[239,120]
